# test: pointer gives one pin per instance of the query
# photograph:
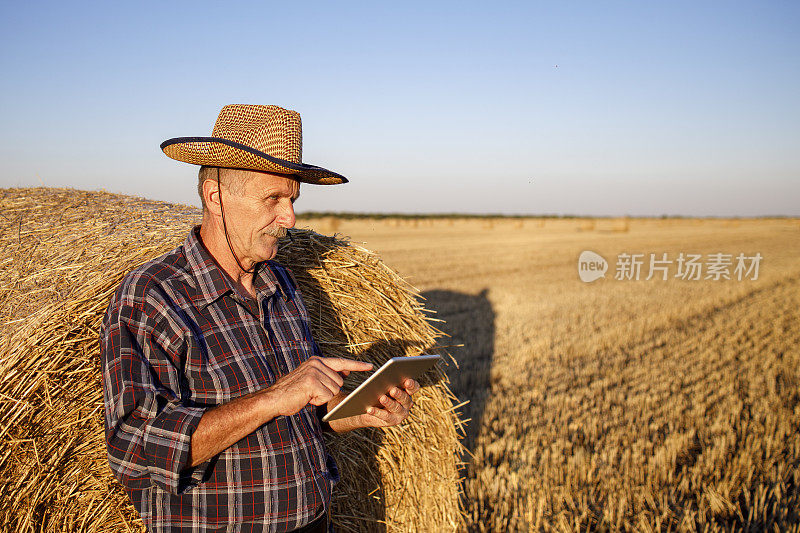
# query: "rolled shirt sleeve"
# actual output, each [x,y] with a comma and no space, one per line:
[148,424]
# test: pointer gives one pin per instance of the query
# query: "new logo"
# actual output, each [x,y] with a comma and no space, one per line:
[591,266]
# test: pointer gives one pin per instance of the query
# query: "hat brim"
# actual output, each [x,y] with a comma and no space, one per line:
[219,152]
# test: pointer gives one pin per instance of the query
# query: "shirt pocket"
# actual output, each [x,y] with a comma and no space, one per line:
[220,380]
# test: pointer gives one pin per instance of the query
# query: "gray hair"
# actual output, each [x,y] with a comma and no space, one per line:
[232,180]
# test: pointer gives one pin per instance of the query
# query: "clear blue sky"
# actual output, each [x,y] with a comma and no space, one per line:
[686,108]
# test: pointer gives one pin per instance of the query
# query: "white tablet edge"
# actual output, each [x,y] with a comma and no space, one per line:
[385,365]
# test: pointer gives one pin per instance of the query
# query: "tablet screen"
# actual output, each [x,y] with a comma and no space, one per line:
[394,372]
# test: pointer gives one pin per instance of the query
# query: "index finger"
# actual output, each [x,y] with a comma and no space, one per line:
[340,364]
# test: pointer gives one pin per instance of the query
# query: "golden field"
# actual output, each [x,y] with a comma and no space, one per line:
[618,404]
[612,405]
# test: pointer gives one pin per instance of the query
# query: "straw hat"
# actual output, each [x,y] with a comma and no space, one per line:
[253,137]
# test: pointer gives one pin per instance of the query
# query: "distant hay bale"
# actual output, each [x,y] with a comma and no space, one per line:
[613,225]
[622,224]
[65,252]
[330,225]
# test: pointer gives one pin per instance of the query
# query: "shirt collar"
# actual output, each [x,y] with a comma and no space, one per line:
[213,282]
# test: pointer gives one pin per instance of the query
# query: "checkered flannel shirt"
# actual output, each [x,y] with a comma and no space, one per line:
[177,340]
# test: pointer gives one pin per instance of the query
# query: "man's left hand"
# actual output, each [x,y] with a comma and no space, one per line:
[395,406]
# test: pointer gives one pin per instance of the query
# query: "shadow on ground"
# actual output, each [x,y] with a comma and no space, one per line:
[469,320]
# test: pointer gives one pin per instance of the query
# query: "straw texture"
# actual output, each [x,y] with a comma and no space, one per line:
[65,251]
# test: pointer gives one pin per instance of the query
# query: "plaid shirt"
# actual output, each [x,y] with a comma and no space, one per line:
[177,340]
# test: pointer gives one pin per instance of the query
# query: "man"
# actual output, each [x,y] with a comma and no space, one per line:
[213,384]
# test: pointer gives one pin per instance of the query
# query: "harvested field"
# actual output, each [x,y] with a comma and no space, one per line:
[618,404]
[612,405]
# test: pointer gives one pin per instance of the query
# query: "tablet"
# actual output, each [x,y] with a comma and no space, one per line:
[394,372]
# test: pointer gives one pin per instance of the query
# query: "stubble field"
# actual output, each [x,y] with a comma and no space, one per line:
[617,404]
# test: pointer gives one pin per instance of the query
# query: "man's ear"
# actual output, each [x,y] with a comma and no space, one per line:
[211,197]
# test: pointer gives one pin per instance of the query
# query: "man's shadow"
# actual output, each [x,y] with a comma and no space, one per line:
[469,321]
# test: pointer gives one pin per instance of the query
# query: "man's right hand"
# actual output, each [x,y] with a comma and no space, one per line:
[314,381]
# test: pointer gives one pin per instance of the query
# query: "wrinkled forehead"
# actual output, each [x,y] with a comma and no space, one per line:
[264,183]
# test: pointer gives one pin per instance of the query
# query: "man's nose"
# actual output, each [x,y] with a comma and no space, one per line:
[286,217]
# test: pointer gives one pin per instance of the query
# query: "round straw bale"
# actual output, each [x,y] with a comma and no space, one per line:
[65,252]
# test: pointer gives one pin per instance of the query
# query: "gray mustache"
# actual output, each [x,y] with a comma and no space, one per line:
[278,232]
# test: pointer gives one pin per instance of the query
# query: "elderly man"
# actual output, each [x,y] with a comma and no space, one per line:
[213,385]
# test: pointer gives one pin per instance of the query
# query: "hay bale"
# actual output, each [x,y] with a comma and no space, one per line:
[65,252]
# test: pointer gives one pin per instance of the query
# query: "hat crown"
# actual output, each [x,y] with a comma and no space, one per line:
[269,128]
